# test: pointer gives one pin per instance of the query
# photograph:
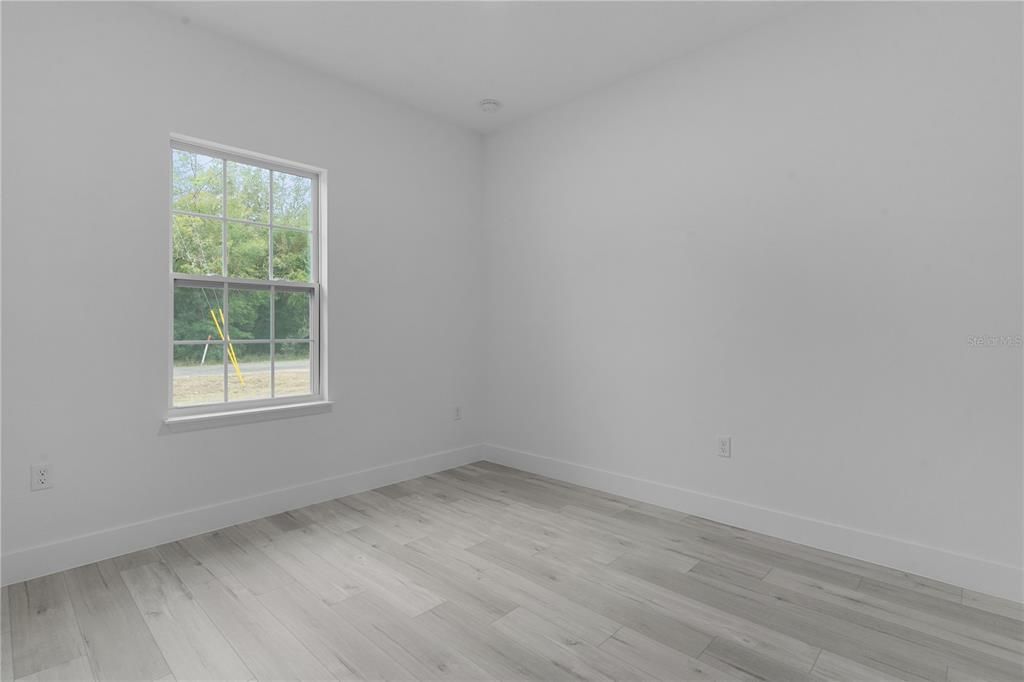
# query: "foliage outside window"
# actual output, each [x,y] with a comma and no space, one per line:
[245,277]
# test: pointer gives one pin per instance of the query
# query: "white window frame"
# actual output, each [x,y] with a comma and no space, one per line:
[249,410]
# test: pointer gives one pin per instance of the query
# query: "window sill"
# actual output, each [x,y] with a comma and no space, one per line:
[212,420]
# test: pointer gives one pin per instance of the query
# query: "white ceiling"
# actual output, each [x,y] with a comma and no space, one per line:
[444,57]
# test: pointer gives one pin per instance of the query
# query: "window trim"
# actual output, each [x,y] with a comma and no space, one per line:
[263,408]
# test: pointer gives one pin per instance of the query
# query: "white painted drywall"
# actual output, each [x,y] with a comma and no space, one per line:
[91,92]
[789,238]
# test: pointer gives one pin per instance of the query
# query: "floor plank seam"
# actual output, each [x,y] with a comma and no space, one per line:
[816,659]
[81,634]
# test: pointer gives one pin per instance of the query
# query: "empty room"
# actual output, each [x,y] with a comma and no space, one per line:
[492,340]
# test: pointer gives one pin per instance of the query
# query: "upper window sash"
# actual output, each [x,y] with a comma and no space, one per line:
[242,222]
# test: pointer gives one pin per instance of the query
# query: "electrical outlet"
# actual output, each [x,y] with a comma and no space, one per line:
[41,477]
[725,446]
[458,413]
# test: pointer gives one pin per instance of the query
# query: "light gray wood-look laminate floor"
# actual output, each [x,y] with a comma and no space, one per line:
[485,572]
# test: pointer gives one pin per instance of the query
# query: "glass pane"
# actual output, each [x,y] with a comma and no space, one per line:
[198,374]
[248,251]
[293,201]
[248,314]
[195,309]
[248,371]
[291,255]
[197,183]
[248,192]
[291,369]
[197,245]
[291,314]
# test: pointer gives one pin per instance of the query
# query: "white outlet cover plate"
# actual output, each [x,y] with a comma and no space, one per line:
[38,472]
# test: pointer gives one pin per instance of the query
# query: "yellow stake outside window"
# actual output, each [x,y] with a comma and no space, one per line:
[231,348]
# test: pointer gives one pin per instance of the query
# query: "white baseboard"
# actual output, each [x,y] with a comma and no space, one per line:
[40,560]
[974,573]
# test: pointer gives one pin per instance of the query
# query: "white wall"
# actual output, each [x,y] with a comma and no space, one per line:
[787,237]
[91,93]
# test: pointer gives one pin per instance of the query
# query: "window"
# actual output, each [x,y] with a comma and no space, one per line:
[245,274]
